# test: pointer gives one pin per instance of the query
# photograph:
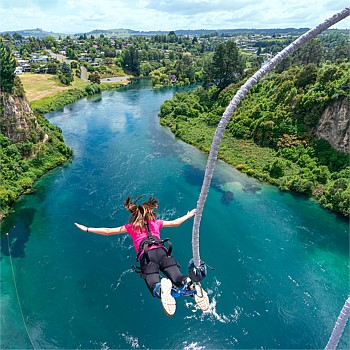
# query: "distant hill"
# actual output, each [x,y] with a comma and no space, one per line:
[36,33]
[124,33]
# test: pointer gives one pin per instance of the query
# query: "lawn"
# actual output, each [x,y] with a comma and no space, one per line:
[38,86]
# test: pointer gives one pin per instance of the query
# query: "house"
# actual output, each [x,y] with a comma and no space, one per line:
[26,67]
[18,70]
[44,58]
[22,62]
[85,58]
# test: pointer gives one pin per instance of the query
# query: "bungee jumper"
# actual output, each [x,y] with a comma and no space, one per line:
[154,257]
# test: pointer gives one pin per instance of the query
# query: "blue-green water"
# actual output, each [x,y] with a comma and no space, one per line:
[281,261]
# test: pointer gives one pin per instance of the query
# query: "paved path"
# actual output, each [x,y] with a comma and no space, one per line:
[83,73]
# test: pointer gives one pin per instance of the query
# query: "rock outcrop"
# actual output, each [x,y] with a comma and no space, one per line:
[334,125]
[17,119]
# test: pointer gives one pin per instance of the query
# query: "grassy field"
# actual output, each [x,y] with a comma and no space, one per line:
[38,86]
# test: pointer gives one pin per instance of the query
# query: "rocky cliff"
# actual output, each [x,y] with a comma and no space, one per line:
[334,125]
[17,119]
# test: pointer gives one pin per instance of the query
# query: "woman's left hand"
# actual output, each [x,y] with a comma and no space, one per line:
[191,213]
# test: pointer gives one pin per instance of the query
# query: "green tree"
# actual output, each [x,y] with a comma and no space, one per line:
[95,78]
[131,60]
[311,52]
[52,68]
[66,77]
[7,69]
[227,66]
[17,36]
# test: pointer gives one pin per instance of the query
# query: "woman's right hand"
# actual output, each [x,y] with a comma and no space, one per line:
[81,227]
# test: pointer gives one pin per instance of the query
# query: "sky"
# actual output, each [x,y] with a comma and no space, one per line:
[82,16]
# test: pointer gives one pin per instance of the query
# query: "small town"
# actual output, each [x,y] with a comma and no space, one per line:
[109,55]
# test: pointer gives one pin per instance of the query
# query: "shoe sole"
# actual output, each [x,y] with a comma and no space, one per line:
[168,301]
[201,298]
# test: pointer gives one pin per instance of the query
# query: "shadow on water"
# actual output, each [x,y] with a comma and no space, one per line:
[19,232]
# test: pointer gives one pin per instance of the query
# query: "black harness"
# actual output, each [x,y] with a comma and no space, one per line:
[151,241]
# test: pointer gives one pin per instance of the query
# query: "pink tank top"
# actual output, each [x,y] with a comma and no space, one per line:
[138,237]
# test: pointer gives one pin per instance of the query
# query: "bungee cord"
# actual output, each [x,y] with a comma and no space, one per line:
[197,268]
[241,93]
[339,326]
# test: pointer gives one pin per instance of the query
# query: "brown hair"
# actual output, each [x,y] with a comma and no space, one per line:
[140,214]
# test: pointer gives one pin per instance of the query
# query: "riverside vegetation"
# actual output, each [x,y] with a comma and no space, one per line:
[26,160]
[272,133]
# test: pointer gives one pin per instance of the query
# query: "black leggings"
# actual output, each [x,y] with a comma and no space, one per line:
[158,260]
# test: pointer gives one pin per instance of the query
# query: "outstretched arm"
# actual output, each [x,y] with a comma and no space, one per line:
[102,230]
[180,220]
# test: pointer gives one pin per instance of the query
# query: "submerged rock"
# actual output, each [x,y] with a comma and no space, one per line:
[227,197]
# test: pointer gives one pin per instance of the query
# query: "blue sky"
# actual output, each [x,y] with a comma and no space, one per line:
[81,16]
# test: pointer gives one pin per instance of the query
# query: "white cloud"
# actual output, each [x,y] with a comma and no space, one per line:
[73,16]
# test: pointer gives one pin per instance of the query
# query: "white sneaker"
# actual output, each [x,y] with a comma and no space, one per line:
[201,297]
[168,301]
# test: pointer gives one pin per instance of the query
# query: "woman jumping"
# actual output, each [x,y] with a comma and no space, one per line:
[153,256]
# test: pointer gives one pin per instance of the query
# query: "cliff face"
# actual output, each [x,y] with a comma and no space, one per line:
[17,119]
[334,125]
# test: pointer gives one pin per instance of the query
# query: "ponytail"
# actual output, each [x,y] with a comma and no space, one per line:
[142,213]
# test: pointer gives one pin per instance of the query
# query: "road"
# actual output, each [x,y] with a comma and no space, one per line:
[111,79]
[59,57]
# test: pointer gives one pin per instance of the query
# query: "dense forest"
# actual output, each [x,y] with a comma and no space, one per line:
[272,133]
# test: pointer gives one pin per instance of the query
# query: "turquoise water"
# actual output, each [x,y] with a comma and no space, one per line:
[282,262]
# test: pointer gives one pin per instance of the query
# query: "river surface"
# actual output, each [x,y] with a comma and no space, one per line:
[281,262]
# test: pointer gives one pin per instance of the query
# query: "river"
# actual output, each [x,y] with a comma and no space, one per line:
[281,262]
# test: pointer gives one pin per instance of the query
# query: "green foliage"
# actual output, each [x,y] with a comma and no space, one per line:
[65,75]
[95,78]
[131,60]
[280,114]
[326,155]
[18,88]
[58,101]
[276,169]
[23,163]
[93,89]
[7,68]
[227,66]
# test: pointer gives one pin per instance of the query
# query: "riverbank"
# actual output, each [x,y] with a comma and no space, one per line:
[260,163]
[45,94]
[33,160]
